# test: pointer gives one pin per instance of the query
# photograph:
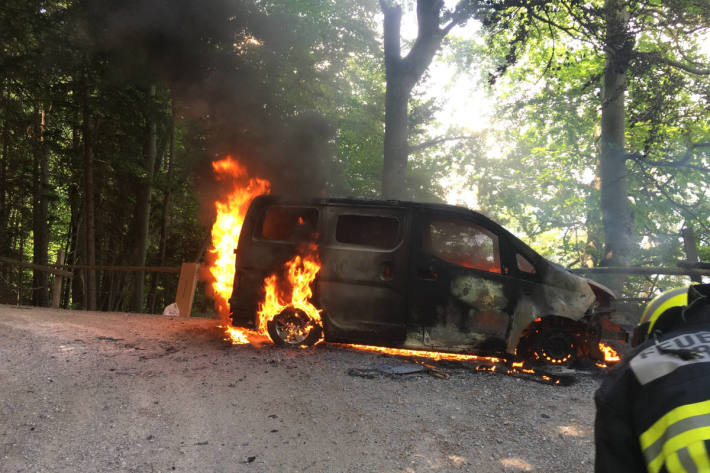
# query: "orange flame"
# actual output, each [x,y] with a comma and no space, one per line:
[486,363]
[433,355]
[610,355]
[295,291]
[231,210]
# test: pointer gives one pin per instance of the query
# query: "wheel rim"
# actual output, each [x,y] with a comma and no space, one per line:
[292,326]
[557,348]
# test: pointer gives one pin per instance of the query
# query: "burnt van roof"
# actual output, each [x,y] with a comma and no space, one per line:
[360,202]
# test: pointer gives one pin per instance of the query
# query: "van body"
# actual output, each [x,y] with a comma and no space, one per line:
[422,276]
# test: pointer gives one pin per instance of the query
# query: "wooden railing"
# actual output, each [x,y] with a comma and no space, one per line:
[57,270]
[187,282]
[694,270]
[684,269]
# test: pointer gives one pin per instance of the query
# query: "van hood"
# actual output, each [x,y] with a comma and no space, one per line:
[569,295]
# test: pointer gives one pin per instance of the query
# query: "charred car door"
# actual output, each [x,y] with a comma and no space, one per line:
[271,234]
[459,299]
[362,283]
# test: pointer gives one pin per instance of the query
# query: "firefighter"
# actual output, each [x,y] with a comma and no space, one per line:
[653,409]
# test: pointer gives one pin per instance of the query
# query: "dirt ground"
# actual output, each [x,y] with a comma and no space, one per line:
[108,392]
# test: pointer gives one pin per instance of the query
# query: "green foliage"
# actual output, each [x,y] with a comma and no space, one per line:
[547,61]
[359,120]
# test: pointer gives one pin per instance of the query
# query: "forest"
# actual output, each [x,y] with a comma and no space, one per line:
[596,153]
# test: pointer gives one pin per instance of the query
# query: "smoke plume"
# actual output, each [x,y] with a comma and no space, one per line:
[225,63]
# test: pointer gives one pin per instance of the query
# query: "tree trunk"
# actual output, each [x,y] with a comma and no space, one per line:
[40,214]
[396,101]
[617,217]
[89,196]
[691,250]
[402,74]
[73,292]
[4,182]
[394,170]
[143,210]
[5,270]
[20,254]
[165,210]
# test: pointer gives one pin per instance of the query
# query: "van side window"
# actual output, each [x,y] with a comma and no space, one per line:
[366,230]
[524,265]
[289,223]
[463,244]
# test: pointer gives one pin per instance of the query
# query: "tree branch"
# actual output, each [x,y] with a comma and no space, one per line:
[392,25]
[445,30]
[438,141]
[662,189]
[682,162]
[464,10]
[658,58]
[428,39]
[570,31]
[589,26]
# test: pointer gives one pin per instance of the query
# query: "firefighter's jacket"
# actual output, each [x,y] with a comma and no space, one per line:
[653,409]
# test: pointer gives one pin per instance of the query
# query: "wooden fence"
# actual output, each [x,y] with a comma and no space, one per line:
[185,294]
[634,305]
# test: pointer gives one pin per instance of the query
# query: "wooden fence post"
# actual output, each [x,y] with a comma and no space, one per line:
[57,286]
[186,287]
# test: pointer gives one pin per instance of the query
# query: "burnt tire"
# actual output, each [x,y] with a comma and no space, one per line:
[555,347]
[293,327]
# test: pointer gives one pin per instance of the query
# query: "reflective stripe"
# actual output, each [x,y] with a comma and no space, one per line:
[676,443]
[675,465]
[677,429]
[663,302]
[700,456]
[652,307]
[671,417]
[685,460]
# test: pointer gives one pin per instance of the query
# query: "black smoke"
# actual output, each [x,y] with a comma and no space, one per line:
[227,65]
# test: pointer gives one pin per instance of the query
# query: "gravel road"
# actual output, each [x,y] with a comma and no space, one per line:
[110,392]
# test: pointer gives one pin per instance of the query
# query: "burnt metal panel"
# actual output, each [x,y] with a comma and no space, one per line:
[453,307]
[363,279]
[259,256]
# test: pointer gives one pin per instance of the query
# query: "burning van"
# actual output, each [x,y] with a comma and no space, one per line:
[411,275]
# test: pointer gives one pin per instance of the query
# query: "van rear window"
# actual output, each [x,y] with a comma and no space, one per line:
[289,223]
[366,230]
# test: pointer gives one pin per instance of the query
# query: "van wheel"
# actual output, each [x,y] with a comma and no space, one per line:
[293,327]
[556,347]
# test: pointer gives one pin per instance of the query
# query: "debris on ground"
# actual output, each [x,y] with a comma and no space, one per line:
[400,368]
[109,339]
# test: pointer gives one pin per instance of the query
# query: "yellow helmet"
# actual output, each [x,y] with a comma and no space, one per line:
[670,301]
